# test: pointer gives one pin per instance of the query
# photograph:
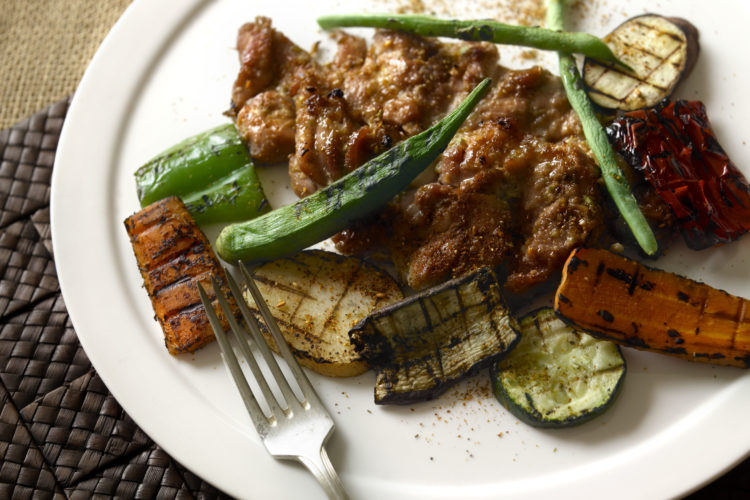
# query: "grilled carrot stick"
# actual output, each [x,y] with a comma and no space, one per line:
[620,299]
[174,256]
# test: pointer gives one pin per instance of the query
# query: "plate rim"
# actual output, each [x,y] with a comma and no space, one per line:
[171,14]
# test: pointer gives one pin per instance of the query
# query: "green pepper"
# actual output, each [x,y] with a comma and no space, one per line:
[237,196]
[212,172]
[294,227]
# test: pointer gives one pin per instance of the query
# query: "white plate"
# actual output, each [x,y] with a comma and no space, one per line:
[165,72]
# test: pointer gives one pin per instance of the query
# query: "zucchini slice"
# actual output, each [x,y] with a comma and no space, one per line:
[557,376]
[661,51]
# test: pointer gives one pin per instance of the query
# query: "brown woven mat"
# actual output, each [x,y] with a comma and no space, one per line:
[62,434]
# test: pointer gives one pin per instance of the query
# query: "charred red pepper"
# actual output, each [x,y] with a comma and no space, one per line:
[675,148]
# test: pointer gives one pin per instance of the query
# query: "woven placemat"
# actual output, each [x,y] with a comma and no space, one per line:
[62,434]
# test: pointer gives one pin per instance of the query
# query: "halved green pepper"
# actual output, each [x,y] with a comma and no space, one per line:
[212,172]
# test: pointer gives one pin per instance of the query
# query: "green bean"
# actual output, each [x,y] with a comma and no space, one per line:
[614,180]
[479,30]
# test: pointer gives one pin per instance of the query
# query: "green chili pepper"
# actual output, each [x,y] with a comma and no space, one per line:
[617,185]
[480,30]
[294,227]
[213,174]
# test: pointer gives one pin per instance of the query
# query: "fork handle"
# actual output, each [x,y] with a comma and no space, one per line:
[326,475]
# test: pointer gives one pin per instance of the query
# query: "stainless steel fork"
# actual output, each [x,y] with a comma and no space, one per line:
[294,429]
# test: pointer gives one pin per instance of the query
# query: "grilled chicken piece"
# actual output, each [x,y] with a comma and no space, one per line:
[174,256]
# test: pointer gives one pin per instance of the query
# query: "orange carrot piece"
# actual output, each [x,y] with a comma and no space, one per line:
[622,300]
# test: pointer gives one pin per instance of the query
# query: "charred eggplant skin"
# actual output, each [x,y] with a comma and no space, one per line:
[426,343]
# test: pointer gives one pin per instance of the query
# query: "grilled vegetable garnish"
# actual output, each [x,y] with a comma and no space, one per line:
[173,256]
[291,228]
[483,30]
[619,299]
[557,376]
[211,172]
[675,148]
[316,298]
[428,342]
[661,51]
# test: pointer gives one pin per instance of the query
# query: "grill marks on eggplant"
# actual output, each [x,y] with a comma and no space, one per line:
[173,256]
[654,310]
[661,51]
[426,343]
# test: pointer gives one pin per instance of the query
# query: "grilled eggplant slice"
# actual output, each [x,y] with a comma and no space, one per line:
[173,256]
[619,299]
[557,376]
[428,342]
[661,51]
[316,298]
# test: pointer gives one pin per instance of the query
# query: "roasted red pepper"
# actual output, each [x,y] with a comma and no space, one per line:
[675,148]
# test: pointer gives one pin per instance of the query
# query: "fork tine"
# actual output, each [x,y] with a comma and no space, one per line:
[291,399]
[256,414]
[301,437]
[273,405]
[304,383]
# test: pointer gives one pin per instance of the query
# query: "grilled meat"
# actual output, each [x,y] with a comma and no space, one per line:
[516,189]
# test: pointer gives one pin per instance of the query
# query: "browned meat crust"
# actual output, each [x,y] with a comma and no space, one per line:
[266,123]
[516,188]
[525,214]
[357,106]
[173,256]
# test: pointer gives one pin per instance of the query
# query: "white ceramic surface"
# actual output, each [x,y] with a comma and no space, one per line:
[165,72]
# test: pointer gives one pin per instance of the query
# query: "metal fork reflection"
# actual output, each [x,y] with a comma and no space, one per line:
[293,429]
